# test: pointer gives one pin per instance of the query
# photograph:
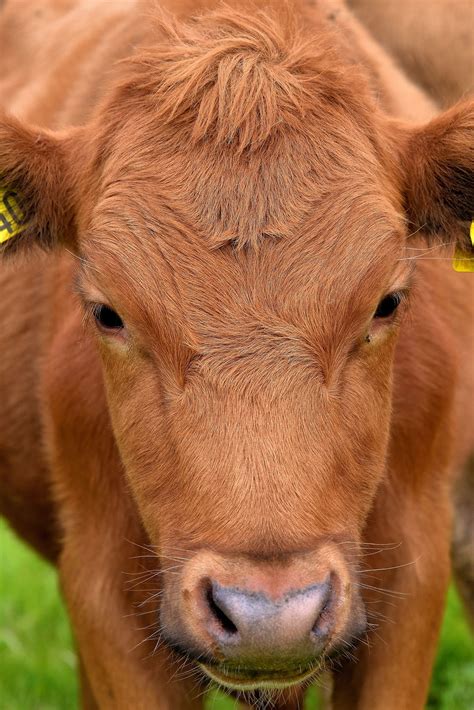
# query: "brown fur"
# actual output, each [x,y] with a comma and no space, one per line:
[239,197]
[463,562]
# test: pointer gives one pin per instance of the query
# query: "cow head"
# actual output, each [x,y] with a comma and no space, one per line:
[242,213]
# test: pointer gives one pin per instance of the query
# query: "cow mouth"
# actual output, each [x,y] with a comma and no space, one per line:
[251,680]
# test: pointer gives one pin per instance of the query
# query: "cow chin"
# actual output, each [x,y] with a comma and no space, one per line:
[246,681]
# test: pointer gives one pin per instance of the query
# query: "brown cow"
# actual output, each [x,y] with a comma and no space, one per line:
[237,379]
[432,40]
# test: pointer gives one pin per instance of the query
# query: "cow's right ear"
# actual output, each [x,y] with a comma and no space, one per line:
[436,167]
[37,204]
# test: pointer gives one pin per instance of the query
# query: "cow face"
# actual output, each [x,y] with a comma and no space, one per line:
[242,227]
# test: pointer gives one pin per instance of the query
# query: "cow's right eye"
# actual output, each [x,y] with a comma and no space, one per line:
[388,305]
[107,319]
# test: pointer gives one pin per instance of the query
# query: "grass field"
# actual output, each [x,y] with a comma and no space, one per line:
[37,662]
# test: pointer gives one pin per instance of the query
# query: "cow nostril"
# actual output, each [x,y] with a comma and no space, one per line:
[324,619]
[219,615]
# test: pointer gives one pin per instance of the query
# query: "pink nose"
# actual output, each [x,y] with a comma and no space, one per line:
[252,628]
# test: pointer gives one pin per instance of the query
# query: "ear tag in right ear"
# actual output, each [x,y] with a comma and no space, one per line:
[12,218]
[463,260]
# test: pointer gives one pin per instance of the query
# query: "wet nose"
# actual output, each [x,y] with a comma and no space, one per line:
[252,626]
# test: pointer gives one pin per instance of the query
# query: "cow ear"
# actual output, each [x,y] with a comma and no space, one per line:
[36,187]
[437,173]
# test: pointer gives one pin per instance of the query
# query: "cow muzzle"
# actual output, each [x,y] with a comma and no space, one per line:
[255,625]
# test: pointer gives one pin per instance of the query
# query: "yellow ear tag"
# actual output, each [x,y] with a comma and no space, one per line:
[464,261]
[12,218]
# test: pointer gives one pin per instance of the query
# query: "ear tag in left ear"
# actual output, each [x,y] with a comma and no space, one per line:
[463,260]
[13,220]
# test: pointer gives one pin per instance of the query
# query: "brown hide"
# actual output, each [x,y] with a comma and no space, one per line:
[242,193]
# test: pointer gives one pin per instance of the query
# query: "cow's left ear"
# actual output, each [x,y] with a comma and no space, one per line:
[437,174]
[37,187]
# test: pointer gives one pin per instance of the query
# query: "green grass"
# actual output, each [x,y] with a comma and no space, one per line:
[37,663]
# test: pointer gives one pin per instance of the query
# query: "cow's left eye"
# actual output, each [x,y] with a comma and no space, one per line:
[388,305]
[107,319]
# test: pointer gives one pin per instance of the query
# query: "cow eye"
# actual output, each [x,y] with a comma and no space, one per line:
[106,318]
[388,305]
